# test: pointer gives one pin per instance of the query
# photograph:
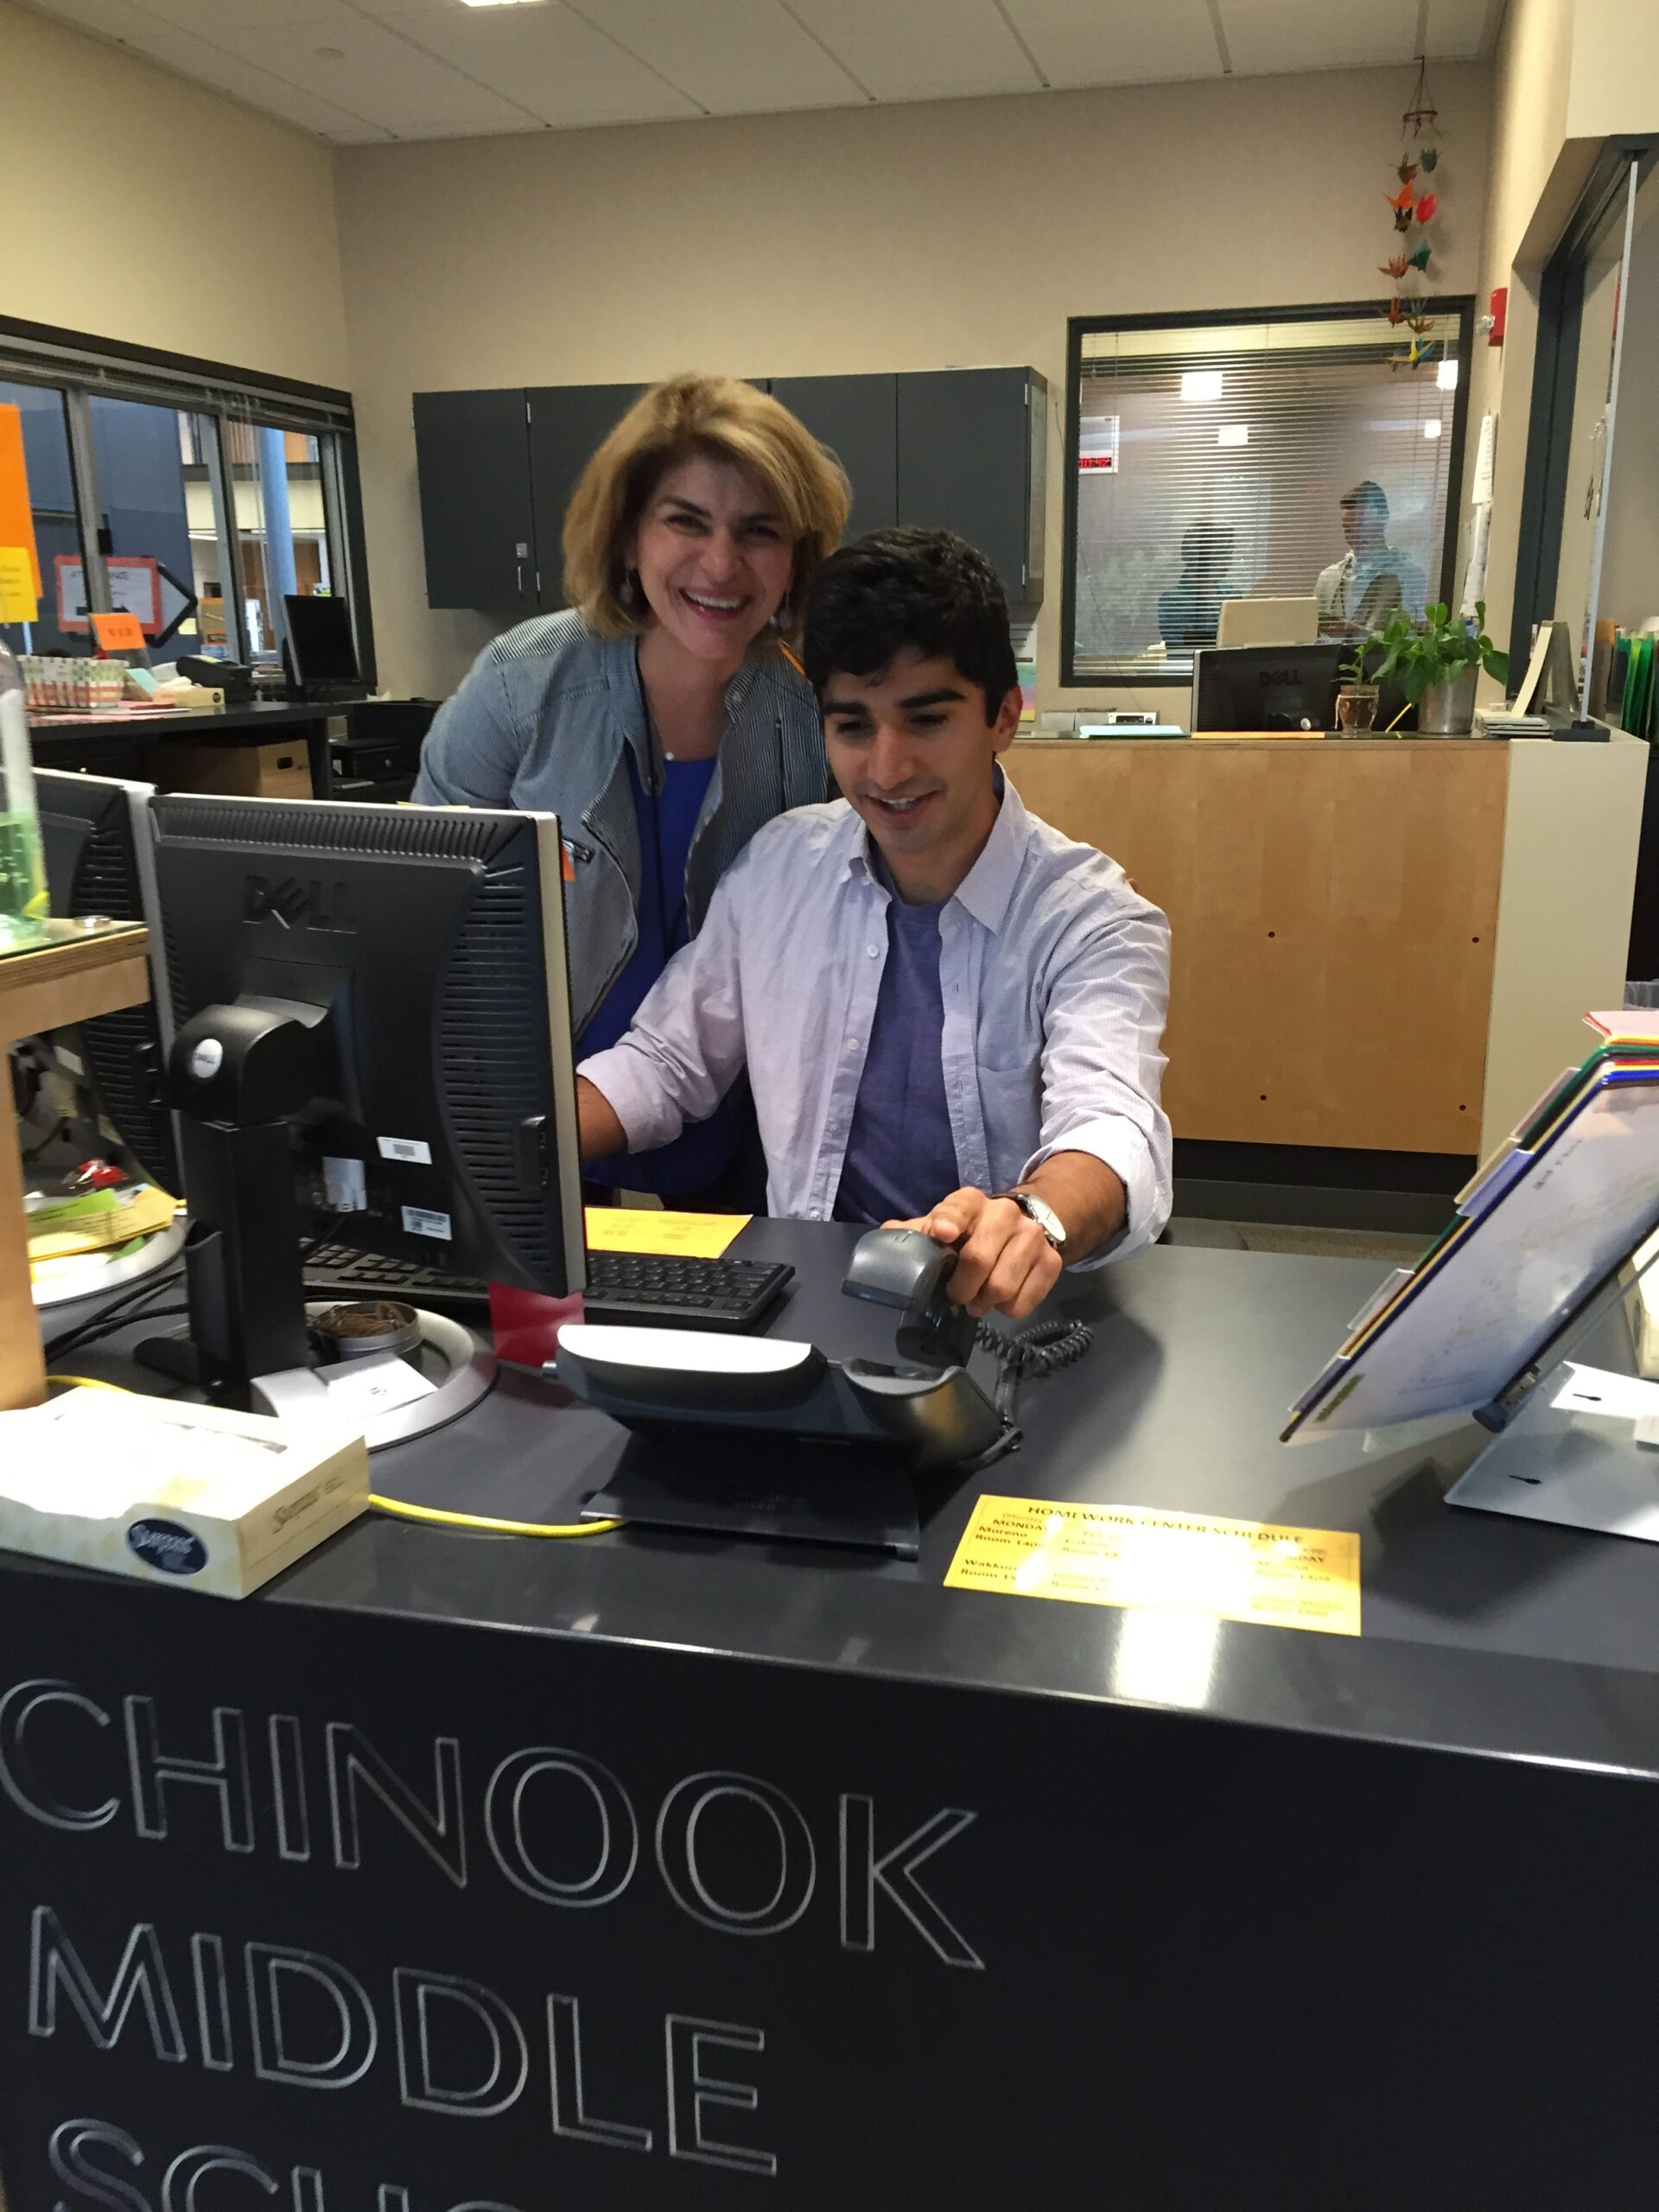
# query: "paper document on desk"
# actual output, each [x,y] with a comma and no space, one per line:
[1136,1555]
[651,1228]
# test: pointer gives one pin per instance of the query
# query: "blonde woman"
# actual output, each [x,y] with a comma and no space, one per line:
[662,716]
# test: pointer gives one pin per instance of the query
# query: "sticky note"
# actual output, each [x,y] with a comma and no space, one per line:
[17,515]
[649,1229]
[18,600]
[118,633]
[1181,1562]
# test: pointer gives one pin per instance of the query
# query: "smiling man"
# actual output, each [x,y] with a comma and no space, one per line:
[949,1012]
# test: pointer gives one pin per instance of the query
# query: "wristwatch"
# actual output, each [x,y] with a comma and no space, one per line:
[1047,1220]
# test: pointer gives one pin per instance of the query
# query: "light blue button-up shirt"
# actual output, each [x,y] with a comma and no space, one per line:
[1055,978]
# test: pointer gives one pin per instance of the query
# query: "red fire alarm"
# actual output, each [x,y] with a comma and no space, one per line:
[1500,309]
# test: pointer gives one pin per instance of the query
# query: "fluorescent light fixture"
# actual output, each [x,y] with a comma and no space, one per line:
[1447,376]
[1200,386]
[1432,428]
[1233,434]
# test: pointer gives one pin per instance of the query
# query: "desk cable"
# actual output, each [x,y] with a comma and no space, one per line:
[1042,1349]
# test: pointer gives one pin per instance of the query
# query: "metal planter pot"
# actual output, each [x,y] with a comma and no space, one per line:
[1447,708]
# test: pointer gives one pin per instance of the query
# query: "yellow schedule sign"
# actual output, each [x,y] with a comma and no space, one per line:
[652,1228]
[1182,1562]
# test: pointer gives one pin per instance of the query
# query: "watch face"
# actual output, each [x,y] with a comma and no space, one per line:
[1045,1216]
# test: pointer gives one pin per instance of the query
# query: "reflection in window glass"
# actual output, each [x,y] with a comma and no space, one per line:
[52,501]
[162,551]
[1628,593]
[282,525]
[1217,463]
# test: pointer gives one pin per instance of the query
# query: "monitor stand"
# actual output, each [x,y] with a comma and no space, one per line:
[767,1488]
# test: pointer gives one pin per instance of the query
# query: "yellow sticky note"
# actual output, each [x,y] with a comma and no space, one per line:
[1180,1562]
[649,1229]
[17,600]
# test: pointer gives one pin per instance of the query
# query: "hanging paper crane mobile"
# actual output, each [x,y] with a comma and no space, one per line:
[1410,207]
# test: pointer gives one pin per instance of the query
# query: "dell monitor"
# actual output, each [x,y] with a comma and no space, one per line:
[96,843]
[1277,690]
[373,1034]
[322,651]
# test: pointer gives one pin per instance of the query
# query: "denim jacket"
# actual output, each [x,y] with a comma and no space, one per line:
[541,722]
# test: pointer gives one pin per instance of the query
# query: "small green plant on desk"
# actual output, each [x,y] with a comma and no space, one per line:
[1434,662]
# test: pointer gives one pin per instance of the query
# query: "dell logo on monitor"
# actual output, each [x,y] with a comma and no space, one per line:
[313,905]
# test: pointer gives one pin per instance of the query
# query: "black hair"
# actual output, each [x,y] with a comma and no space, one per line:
[1367,494]
[925,590]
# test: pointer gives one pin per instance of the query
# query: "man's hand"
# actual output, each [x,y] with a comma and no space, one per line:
[1004,1262]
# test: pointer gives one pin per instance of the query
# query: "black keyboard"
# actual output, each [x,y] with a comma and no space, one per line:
[639,1287]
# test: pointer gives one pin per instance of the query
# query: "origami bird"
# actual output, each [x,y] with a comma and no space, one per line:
[1403,197]
[1430,157]
[1406,171]
[1419,323]
[1426,207]
[1419,259]
[1395,269]
[1397,310]
[1402,218]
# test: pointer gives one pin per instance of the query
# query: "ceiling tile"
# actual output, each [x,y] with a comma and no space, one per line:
[545,59]
[733,57]
[1127,42]
[1460,28]
[1267,37]
[366,67]
[922,49]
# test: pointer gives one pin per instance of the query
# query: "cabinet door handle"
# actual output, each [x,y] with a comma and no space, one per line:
[518,577]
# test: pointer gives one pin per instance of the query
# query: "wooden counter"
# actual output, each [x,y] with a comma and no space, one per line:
[1339,910]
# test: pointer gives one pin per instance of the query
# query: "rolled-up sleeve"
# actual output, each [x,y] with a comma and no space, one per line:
[685,1047]
[1103,1066]
[473,750]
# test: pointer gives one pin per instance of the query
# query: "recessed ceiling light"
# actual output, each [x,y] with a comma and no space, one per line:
[1200,385]
[1233,434]
[1432,428]
[1447,376]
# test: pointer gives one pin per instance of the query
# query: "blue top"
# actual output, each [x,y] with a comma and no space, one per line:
[901,1155]
[666,826]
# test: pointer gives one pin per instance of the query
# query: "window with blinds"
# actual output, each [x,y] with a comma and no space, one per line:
[1210,460]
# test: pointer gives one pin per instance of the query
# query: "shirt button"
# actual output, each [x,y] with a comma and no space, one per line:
[873,950]
[852,1044]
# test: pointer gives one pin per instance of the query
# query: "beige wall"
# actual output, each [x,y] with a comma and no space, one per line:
[112,166]
[872,239]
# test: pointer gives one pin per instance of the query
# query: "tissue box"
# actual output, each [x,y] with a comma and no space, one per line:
[163,1492]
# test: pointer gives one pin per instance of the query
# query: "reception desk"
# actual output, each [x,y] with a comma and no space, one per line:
[1385,943]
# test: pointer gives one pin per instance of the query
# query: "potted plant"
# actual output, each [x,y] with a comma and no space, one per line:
[1435,663]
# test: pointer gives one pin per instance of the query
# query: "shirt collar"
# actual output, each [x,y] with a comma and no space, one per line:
[619,658]
[987,887]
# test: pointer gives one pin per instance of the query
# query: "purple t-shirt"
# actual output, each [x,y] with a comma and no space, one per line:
[901,1157]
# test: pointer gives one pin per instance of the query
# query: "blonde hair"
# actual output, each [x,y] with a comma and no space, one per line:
[724,419]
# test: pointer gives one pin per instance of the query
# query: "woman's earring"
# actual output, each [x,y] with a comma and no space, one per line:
[783,615]
[628,595]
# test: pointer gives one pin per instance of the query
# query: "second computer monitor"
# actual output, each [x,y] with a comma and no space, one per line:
[321,645]
[1277,690]
[96,843]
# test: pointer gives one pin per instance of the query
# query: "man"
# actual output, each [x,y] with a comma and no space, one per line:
[1358,591]
[1189,612]
[950,1014]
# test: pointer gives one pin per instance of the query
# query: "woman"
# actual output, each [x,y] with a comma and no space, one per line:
[662,717]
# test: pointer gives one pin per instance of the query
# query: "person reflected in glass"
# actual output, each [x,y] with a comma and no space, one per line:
[1355,592]
[1190,610]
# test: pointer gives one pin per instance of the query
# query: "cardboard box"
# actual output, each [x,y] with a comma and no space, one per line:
[278,770]
[183,1495]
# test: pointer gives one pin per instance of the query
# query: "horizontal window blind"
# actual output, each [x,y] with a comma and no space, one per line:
[1211,463]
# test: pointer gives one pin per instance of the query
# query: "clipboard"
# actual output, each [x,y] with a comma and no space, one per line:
[1542,1227]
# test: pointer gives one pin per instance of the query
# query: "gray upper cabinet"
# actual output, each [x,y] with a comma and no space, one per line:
[567,422]
[477,523]
[857,418]
[972,458]
[961,450]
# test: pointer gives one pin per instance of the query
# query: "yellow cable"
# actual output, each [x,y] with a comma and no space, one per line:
[396,1505]
[90,1382]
